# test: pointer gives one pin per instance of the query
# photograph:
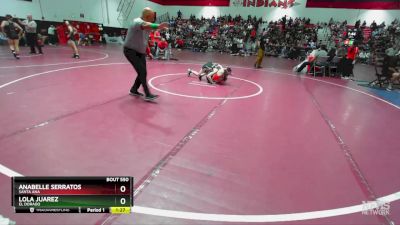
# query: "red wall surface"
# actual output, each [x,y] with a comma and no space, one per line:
[355,4]
[193,2]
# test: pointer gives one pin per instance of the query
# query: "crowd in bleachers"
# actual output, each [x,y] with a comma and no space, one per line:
[287,37]
[373,39]
[234,35]
[238,35]
[293,38]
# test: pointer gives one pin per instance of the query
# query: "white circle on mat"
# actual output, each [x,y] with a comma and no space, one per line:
[260,89]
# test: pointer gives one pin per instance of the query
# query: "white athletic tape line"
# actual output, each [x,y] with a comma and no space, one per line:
[9,172]
[223,217]
[353,89]
[262,218]
[260,89]
[243,218]
[56,70]
[203,85]
[56,64]
[199,82]
[21,56]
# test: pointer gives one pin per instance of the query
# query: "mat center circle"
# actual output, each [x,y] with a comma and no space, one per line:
[190,87]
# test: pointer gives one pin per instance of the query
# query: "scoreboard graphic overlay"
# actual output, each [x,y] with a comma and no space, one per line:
[354,4]
[72,194]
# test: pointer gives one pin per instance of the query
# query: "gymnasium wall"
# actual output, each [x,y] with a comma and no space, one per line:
[58,10]
[298,10]
[96,11]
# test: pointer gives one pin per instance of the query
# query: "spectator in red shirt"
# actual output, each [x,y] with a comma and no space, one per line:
[149,48]
[163,44]
[352,53]
[157,36]
[253,35]
[151,36]
[179,43]
[162,48]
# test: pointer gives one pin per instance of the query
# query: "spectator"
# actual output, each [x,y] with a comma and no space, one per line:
[363,56]
[392,72]
[83,39]
[260,55]
[352,53]
[391,51]
[331,54]
[162,48]
[51,31]
[321,52]
[148,52]
[179,43]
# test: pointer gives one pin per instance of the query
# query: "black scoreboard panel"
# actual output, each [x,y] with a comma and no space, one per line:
[354,4]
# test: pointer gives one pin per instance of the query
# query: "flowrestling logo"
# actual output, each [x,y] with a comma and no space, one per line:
[376,208]
[265,3]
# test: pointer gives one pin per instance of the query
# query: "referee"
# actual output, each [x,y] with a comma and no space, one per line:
[31,34]
[135,49]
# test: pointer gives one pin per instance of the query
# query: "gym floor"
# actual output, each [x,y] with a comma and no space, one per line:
[268,146]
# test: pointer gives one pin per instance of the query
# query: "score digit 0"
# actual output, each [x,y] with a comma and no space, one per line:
[122,189]
[122,201]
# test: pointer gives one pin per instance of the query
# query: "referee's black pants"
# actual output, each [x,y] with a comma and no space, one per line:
[138,61]
[32,42]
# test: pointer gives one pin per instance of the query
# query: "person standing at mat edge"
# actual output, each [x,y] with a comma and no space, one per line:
[135,49]
[10,29]
[71,39]
[31,34]
[260,54]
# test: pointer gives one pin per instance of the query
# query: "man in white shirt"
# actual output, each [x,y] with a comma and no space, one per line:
[31,34]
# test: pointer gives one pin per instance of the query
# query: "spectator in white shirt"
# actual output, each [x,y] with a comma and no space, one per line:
[51,31]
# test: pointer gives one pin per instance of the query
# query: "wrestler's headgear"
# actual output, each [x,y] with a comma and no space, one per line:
[227,71]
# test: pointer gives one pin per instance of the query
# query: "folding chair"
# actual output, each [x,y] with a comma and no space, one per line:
[333,65]
[302,55]
[381,79]
[319,65]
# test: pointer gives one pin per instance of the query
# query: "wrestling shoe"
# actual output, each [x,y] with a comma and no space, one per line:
[189,72]
[16,55]
[136,93]
[150,97]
